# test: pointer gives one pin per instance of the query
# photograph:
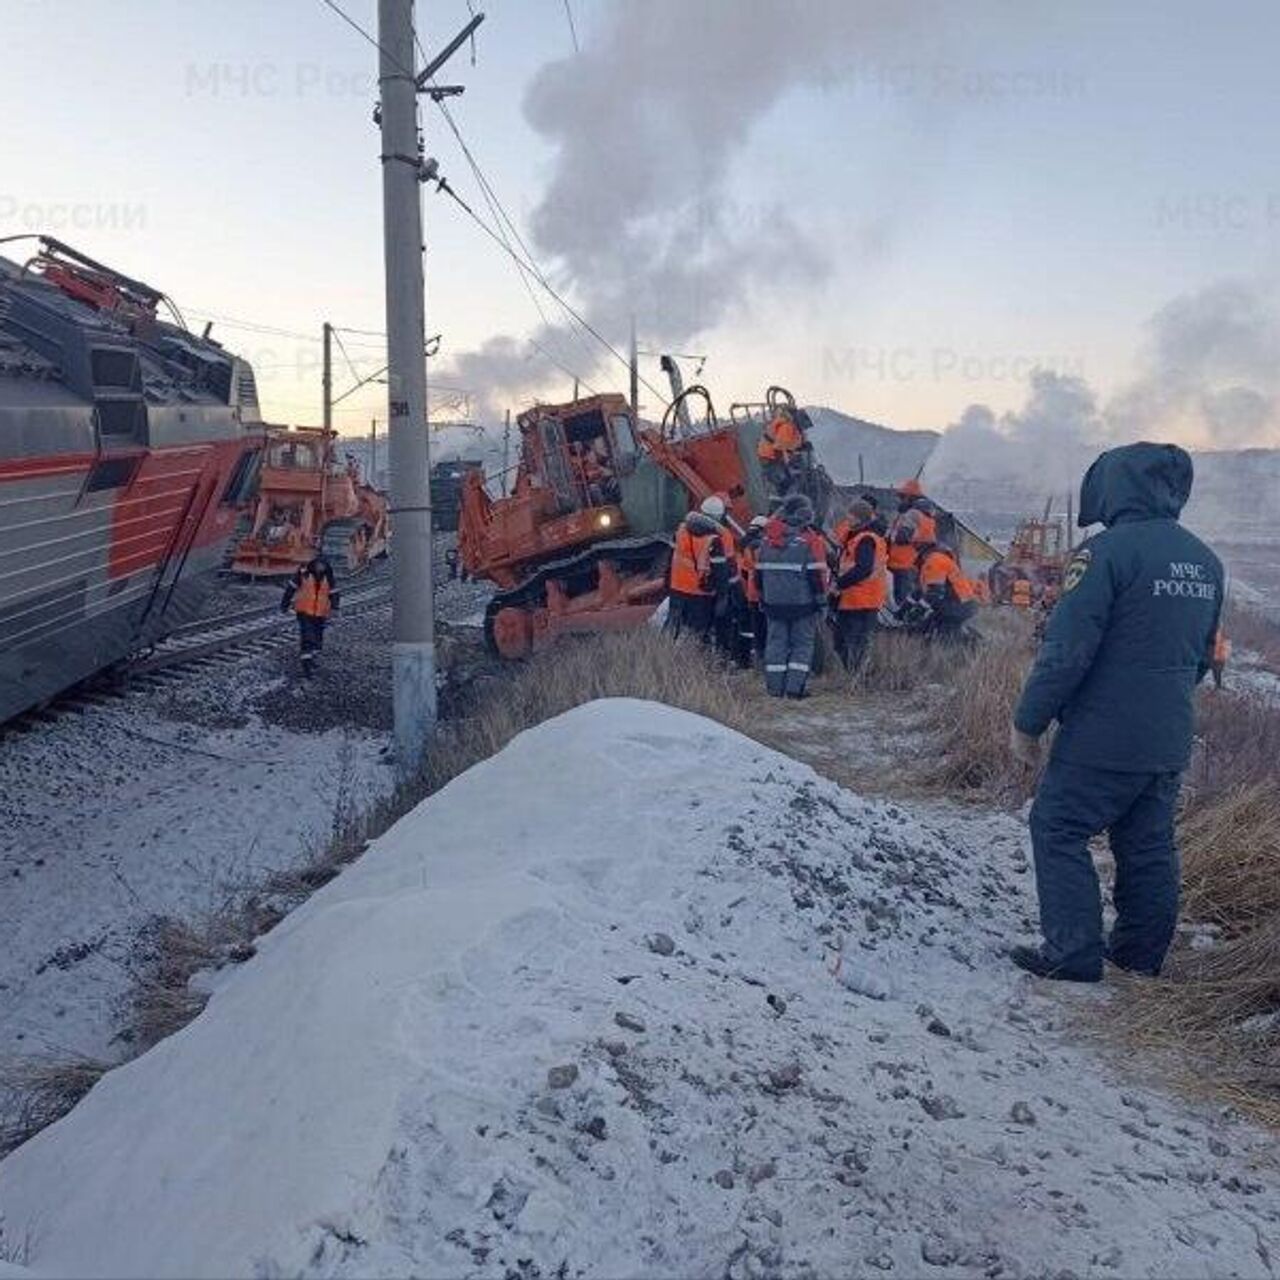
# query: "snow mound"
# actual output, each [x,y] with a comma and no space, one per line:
[573,1015]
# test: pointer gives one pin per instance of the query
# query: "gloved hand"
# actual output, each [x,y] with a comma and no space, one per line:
[1026,749]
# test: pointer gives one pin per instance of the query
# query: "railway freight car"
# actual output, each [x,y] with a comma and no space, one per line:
[123,455]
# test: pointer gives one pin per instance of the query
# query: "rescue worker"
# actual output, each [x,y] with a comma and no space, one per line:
[312,593]
[946,590]
[913,527]
[779,446]
[1020,593]
[860,582]
[1130,638]
[748,550]
[793,590]
[732,634]
[696,577]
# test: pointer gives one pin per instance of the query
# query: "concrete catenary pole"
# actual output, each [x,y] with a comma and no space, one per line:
[413,658]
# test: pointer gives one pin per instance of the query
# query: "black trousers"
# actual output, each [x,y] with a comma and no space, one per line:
[695,615]
[853,635]
[904,585]
[310,634]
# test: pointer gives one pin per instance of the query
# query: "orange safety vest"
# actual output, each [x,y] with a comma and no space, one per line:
[926,529]
[902,555]
[1020,593]
[312,597]
[938,566]
[872,591]
[780,440]
[691,562]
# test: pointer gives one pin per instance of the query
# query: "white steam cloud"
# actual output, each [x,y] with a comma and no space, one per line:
[646,125]
[1209,378]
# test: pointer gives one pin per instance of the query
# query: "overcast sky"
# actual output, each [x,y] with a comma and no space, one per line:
[897,210]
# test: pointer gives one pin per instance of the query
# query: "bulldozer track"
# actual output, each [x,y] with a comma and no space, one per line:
[633,550]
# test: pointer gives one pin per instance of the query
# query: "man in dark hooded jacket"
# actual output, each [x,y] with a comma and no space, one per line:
[1126,645]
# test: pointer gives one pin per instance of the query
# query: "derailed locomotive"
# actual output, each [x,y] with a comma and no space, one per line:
[126,445]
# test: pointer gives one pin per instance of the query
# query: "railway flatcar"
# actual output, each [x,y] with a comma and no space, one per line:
[127,444]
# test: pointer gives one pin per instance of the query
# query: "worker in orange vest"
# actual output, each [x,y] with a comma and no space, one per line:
[861,584]
[748,551]
[698,574]
[947,592]
[313,595]
[733,633]
[779,446]
[913,527]
[1020,593]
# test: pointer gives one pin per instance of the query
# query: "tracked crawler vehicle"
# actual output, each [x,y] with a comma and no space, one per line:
[583,542]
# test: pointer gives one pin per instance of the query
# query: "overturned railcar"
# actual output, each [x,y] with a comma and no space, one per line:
[126,444]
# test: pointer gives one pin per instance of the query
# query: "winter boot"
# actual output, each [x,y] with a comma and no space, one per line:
[1033,960]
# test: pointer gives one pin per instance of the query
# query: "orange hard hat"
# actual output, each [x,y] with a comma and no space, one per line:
[911,489]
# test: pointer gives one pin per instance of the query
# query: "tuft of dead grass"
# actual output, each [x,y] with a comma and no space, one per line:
[1254,631]
[1216,1013]
[970,718]
[1231,858]
[637,664]
[1239,743]
[898,662]
[38,1090]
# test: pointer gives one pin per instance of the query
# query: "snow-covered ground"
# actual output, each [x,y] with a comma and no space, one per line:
[575,1015]
[122,812]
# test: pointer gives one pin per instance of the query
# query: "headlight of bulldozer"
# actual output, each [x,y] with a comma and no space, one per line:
[604,519]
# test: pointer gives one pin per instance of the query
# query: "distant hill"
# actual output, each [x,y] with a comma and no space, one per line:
[887,456]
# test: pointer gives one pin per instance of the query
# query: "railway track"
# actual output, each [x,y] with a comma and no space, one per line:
[232,636]
[209,644]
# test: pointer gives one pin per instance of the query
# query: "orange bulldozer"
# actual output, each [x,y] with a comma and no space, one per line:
[583,542]
[309,502]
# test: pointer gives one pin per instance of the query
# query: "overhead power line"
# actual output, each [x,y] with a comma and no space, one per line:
[521,262]
[573,30]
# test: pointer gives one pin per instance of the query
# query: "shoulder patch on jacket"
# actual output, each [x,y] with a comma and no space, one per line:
[1077,567]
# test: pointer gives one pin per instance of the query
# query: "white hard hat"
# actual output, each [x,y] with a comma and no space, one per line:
[713,507]
[759,522]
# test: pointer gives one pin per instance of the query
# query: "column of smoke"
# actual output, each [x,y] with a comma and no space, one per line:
[646,124]
[1209,378]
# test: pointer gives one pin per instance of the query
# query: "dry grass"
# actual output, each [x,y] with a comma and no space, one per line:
[1215,1019]
[971,716]
[36,1091]
[638,664]
[898,662]
[1231,858]
[1257,633]
[1216,1013]
[1240,743]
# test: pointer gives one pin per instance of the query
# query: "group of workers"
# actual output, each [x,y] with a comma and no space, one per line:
[761,592]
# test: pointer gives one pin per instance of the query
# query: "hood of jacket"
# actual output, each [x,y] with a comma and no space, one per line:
[1135,482]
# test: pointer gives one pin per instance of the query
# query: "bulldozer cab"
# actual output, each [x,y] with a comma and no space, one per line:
[293,455]
[581,451]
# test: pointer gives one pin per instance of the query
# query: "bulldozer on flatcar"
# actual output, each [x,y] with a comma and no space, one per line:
[583,541]
[307,503]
